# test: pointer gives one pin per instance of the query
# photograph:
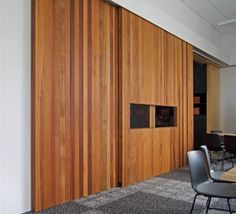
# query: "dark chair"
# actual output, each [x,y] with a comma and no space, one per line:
[203,185]
[218,132]
[215,176]
[213,143]
[230,146]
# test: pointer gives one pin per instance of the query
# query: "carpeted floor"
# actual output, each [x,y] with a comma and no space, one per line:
[170,193]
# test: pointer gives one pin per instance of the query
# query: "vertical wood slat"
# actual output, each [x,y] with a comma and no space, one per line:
[213,97]
[190,97]
[74,84]
[51,109]
[84,40]
[155,69]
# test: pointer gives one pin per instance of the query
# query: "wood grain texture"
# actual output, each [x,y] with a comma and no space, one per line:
[189,130]
[74,100]
[77,100]
[156,69]
[213,97]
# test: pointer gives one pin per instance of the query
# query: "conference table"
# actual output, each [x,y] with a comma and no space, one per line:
[223,134]
[229,175]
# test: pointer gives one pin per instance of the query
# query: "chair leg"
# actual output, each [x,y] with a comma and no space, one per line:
[223,162]
[195,197]
[232,161]
[208,204]
[228,203]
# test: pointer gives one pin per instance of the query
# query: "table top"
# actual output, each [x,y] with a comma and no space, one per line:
[229,175]
[222,134]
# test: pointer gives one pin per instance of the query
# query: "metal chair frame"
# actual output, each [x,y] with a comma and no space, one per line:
[200,177]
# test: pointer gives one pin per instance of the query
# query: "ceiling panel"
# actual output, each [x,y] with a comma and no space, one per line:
[228,10]
[220,2]
[212,16]
[215,11]
[198,4]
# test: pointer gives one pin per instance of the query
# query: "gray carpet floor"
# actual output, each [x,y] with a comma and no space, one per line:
[170,193]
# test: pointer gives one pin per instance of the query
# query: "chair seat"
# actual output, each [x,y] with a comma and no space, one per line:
[218,190]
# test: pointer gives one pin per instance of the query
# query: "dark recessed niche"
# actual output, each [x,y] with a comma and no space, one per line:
[139,116]
[165,116]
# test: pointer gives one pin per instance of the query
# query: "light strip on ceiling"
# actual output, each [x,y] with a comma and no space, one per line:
[227,22]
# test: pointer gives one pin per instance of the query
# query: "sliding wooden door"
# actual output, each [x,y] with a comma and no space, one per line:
[156,69]
[74,99]
[75,106]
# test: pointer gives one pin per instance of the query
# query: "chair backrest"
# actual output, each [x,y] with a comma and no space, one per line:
[213,142]
[198,169]
[230,144]
[220,136]
[207,156]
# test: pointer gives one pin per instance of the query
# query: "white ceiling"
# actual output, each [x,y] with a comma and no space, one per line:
[215,11]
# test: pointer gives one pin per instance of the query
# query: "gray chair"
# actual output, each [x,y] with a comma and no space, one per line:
[230,146]
[215,176]
[218,132]
[203,185]
[213,143]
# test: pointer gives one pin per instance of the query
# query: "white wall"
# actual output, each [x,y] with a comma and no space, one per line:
[15,169]
[178,19]
[228,99]
[229,44]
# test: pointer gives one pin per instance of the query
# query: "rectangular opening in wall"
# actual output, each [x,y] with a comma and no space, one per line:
[165,116]
[139,116]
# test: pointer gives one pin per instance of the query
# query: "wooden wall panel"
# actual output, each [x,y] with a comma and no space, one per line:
[74,99]
[51,109]
[189,130]
[155,68]
[173,70]
[162,151]
[75,107]
[172,60]
[213,97]
[140,43]
[187,101]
